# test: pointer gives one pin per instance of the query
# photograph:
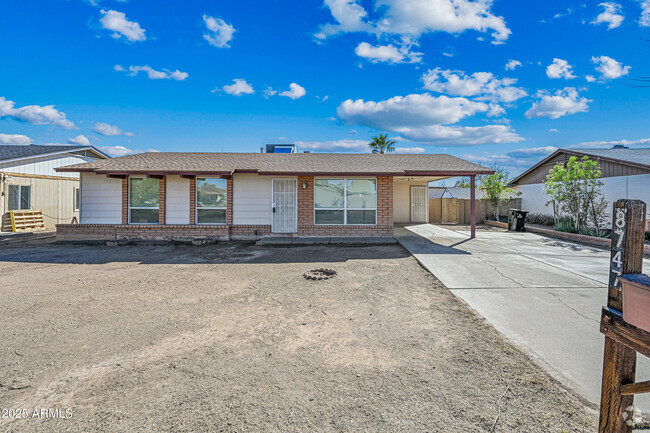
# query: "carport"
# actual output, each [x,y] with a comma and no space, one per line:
[411,197]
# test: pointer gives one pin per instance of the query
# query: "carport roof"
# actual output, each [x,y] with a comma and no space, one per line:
[322,164]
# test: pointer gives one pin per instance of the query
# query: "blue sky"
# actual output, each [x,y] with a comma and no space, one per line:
[135,75]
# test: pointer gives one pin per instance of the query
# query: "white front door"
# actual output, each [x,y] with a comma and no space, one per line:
[419,206]
[285,206]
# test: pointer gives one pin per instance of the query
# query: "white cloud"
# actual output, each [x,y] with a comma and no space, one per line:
[387,53]
[153,74]
[563,102]
[269,91]
[415,17]
[532,152]
[120,26]
[409,150]
[349,17]
[14,139]
[560,69]
[325,98]
[424,118]
[609,68]
[568,12]
[348,146]
[610,15]
[221,32]
[482,84]
[81,140]
[116,151]
[515,161]
[643,142]
[411,110]
[296,91]
[512,65]
[645,13]
[554,130]
[106,129]
[35,114]
[356,146]
[590,78]
[238,87]
[412,18]
[496,110]
[461,135]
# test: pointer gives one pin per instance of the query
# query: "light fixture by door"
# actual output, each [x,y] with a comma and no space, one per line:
[304,184]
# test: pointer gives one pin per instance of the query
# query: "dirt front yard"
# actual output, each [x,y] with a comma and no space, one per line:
[233,338]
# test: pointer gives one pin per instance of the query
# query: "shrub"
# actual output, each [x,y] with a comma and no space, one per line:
[565,224]
[540,219]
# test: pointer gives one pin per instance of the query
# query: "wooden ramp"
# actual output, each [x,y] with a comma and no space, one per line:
[26,220]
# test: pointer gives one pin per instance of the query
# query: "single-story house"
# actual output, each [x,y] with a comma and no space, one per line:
[235,195]
[625,174]
[28,181]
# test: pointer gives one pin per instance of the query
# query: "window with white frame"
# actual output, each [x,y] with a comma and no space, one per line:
[19,197]
[144,195]
[211,200]
[345,201]
[77,198]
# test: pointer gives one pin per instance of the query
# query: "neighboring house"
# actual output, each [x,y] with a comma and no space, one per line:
[626,174]
[229,195]
[28,181]
[460,193]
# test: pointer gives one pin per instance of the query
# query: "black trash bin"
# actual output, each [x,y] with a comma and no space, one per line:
[517,220]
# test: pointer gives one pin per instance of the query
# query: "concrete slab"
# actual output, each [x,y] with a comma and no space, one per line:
[347,240]
[275,241]
[380,240]
[542,294]
[311,241]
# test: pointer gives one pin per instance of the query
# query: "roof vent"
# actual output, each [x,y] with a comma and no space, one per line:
[620,146]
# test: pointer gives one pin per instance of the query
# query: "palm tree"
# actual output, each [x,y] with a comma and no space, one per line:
[382,144]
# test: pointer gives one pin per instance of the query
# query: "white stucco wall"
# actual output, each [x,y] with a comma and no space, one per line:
[614,188]
[402,198]
[101,199]
[251,201]
[177,208]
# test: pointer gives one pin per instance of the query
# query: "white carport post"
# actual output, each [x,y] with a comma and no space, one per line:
[472,197]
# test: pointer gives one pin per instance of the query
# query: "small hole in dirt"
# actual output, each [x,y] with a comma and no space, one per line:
[319,274]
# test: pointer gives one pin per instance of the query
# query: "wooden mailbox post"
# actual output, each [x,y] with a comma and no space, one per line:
[622,340]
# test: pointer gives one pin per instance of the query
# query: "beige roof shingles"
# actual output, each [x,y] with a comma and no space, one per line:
[281,163]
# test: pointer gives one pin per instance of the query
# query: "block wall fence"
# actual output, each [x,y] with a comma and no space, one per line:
[162,231]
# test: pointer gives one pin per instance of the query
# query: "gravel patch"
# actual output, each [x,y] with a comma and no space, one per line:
[233,338]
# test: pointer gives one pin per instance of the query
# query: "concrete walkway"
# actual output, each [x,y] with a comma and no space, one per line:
[543,294]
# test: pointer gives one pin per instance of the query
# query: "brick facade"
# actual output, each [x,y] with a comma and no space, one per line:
[162,200]
[125,200]
[87,232]
[193,200]
[306,226]
[229,202]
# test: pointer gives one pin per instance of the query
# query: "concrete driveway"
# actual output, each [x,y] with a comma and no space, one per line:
[543,294]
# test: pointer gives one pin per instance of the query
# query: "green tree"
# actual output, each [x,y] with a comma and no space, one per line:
[495,189]
[463,182]
[575,189]
[382,144]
